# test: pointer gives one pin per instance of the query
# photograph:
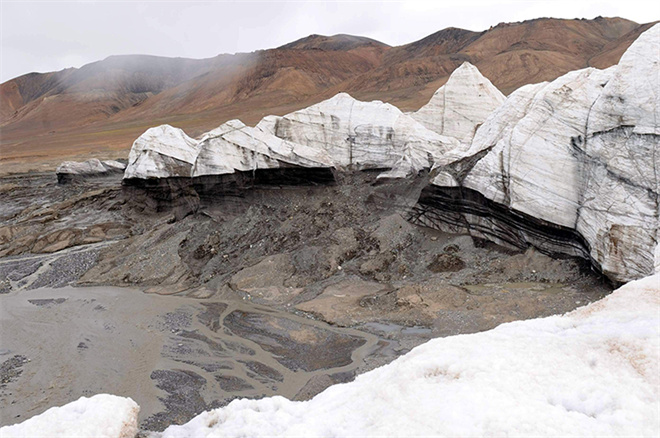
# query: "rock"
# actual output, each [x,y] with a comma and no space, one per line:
[377,266]
[569,166]
[265,281]
[393,233]
[460,106]
[446,262]
[73,170]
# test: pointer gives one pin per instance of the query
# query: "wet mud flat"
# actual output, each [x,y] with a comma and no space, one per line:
[175,356]
[272,290]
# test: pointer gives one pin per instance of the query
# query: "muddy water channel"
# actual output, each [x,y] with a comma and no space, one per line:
[175,356]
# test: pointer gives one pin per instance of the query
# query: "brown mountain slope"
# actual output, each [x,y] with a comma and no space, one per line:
[16,93]
[337,42]
[101,108]
[611,53]
[405,69]
[266,79]
[509,54]
[75,97]
[98,111]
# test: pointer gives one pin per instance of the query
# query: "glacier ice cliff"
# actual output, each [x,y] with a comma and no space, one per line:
[569,166]
[340,132]
[73,170]
[161,152]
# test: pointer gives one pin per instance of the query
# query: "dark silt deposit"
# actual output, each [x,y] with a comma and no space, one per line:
[461,207]
[190,293]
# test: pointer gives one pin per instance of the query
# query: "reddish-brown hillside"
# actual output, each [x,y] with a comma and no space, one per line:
[509,54]
[265,79]
[611,53]
[99,109]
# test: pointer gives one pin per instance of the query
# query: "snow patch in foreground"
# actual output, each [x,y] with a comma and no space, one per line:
[592,372]
[100,416]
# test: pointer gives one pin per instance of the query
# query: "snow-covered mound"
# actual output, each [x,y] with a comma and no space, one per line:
[592,372]
[100,416]
[461,105]
[580,154]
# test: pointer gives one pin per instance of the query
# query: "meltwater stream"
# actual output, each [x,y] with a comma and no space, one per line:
[175,356]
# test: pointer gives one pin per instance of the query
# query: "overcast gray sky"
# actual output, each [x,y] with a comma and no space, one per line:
[52,35]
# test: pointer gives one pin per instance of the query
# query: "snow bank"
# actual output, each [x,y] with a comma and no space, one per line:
[592,372]
[100,416]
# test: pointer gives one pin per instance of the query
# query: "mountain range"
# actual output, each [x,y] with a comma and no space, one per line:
[100,108]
